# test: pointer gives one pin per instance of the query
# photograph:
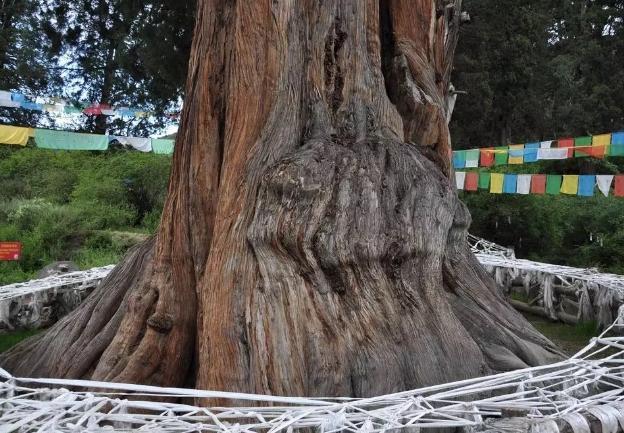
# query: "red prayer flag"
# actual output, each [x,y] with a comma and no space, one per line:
[487,158]
[538,184]
[619,185]
[569,143]
[472,181]
[96,109]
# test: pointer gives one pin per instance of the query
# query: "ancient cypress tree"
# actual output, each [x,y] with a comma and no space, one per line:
[312,242]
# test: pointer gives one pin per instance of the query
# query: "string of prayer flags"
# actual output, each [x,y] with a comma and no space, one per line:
[553,184]
[596,146]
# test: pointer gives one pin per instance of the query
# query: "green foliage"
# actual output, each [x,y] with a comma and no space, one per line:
[538,69]
[77,206]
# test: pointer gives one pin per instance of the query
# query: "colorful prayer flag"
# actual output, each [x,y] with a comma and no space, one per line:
[553,184]
[510,183]
[63,140]
[472,181]
[163,146]
[530,152]
[14,135]
[500,155]
[472,158]
[538,184]
[459,159]
[496,183]
[487,157]
[604,182]
[484,180]
[586,184]
[524,184]
[516,154]
[570,184]
[460,179]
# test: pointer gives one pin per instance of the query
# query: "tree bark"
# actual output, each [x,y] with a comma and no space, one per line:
[312,242]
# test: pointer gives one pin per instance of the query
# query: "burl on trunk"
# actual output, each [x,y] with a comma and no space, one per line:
[312,242]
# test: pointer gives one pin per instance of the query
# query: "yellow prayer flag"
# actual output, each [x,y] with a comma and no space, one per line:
[496,183]
[602,140]
[13,135]
[570,184]
[31,132]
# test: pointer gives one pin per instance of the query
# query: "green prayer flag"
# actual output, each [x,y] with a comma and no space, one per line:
[582,142]
[64,140]
[163,146]
[500,158]
[484,180]
[473,155]
[553,184]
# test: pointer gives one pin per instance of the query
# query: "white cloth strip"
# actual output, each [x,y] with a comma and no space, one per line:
[545,144]
[553,153]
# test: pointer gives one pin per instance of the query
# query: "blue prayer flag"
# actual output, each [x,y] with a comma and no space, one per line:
[586,185]
[510,183]
[530,152]
[31,106]
[18,97]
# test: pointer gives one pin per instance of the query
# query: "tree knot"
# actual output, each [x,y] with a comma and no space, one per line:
[160,322]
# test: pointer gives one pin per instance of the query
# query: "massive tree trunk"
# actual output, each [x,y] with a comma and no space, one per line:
[312,242]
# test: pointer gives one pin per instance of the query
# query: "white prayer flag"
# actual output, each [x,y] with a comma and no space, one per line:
[554,153]
[460,179]
[604,182]
[523,185]
[546,144]
[139,143]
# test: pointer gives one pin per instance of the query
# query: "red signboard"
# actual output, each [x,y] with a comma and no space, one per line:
[10,251]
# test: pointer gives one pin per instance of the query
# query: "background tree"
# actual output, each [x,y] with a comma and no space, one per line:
[312,241]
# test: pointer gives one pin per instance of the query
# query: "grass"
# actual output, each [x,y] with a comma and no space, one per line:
[569,338]
[9,340]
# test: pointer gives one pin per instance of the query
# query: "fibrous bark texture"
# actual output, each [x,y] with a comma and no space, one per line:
[312,242]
